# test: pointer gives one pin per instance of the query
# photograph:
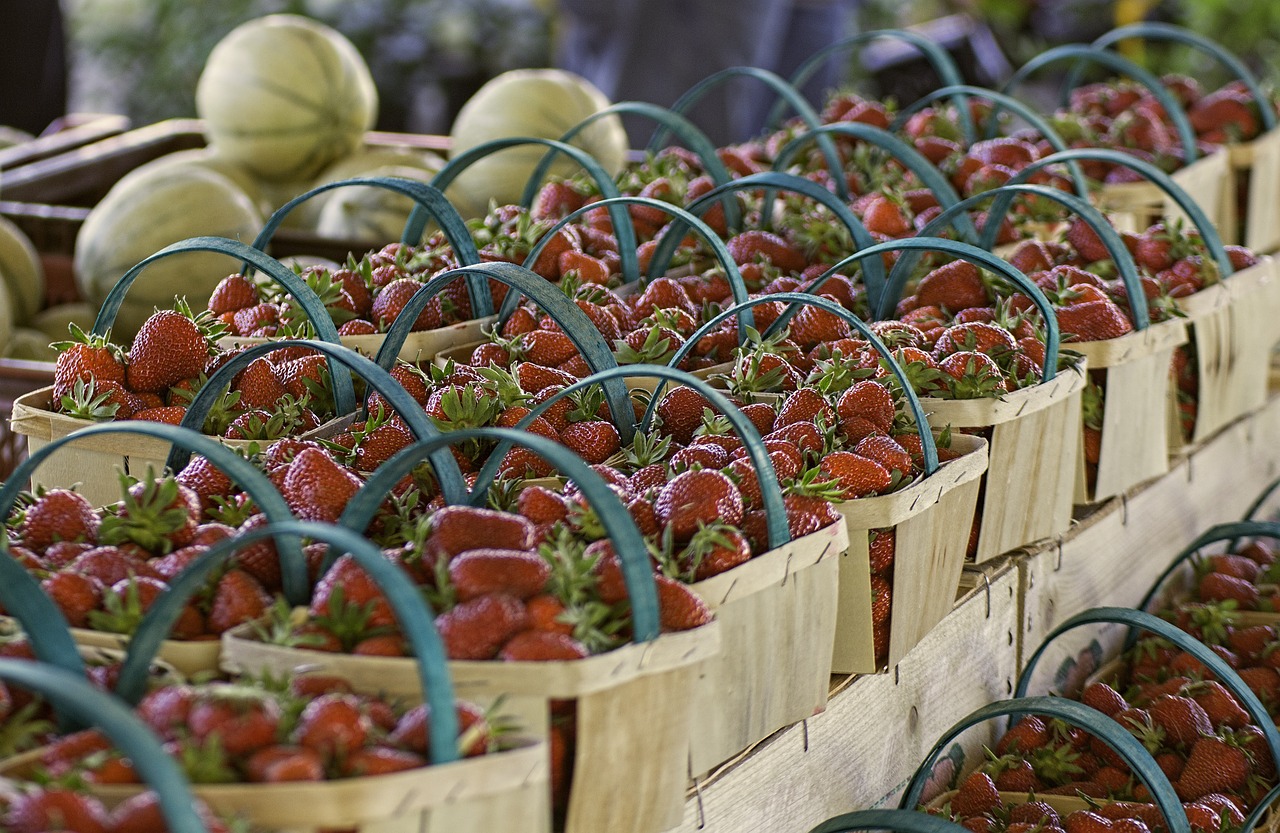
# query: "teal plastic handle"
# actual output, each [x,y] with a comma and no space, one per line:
[1232,531]
[1261,500]
[1116,737]
[1262,810]
[417,621]
[683,129]
[1002,199]
[1002,102]
[928,447]
[623,229]
[873,273]
[1208,231]
[901,821]
[948,72]
[46,628]
[1179,34]
[72,694]
[1137,620]
[432,203]
[627,541]
[1081,54]
[572,320]
[186,440]
[452,485]
[786,93]
[775,510]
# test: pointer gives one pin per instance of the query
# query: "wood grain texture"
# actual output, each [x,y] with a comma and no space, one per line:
[1260,160]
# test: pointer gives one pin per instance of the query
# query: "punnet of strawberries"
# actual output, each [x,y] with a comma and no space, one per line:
[36,808]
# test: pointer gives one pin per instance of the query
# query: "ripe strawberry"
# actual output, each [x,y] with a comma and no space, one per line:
[477,629]
[542,646]
[695,498]
[755,246]
[380,760]
[1182,719]
[456,529]
[805,405]
[89,359]
[679,608]
[812,326]
[55,810]
[546,348]
[1104,698]
[856,476]
[1219,704]
[168,348]
[259,386]
[953,286]
[232,293]
[284,763]
[535,378]
[243,719]
[541,505]
[238,598]
[333,724]
[515,572]
[1082,237]
[976,795]
[390,301]
[317,488]
[165,709]
[1214,766]
[593,440]
[1220,587]
[59,515]
[887,452]
[882,215]
[870,401]
[1026,736]
[1092,321]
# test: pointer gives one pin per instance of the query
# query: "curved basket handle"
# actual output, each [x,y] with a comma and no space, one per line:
[417,621]
[627,541]
[1261,500]
[1137,620]
[44,624]
[184,439]
[572,320]
[433,205]
[1002,102]
[1178,34]
[1076,714]
[873,272]
[1261,811]
[623,229]
[1086,54]
[771,493]
[1231,531]
[786,93]
[1002,199]
[73,695]
[657,266]
[452,485]
[928,447]
[900,821]
[1208,231]
[948,73]
[683,129]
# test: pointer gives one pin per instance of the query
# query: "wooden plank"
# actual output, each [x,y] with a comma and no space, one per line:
[844,758]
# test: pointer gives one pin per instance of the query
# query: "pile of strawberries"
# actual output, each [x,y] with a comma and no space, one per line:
[39,808]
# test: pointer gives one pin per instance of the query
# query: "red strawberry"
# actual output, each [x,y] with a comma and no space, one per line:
[593,440]
[59,515]
[456,529]
[695,498]
[333,724]
[380,760]
[953,286]
[243,719]
[317,488]
[238,598]
[542,646]
[1214,766]
[1092,321]
[44,810]
[976,795]
[679,608]
[516,572]
[869,400]
[1182,719]
[855,475]
[477,629]
[168,348]
[285,763]
[755,246]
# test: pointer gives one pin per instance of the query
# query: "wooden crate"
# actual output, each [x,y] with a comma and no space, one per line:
[72,131]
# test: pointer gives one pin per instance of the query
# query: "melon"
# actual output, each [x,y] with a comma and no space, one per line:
[142,213]
[31,345]
[364,162]
[210,159]
[55,321]
[542,103]
[285,96]
[21,272]
[367,212]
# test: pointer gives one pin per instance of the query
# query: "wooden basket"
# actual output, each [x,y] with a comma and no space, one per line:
[419,347]
[1035,442]
[187,657]
[1256,166]
[1135,444]
[932,519]
[1208,181]
[777,616]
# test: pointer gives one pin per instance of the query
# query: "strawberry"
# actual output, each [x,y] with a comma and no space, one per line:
[755,246]
[317,488]
[380,445]
[259,386]
[546,348]
[542,646]
[168,348]
[390,301]
[165,709]
[477,629]
[1182,719]
[869,400]
[1086,821]
[679,608]
[169,414]
[812,326]
[243,719]
[1082,238]
[53,810]
[695,498]
[883,215]
[332,724]
[1104,698]
[1026,736]
[805,405]
[87,358]
[256,320]
[1220,705]
[713,550]
[456,529]
[237,598]
[284,763]
[1092,321]
[855,475]
[883,549]
[516,572]
[885,451]
[380,760]
[59,515]
[976,795]
[593,440]
[1220,587]
[953,286]
[542,506]
[1214,766]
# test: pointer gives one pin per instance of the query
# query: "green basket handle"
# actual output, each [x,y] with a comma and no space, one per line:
[658,264]
[623,229]
[1261,500]
[1137,620]
[775,510]
[1208,231]
[1261,811]
[683,129]
[451,483]
[1002,102]
[901,151]
[72,694]
[417,621]
[433,205]
[948,73]
[46,628]
[900,821]
[1002,199]
[1115,736]
[1082,54]
[1231,531]
[627,541]
[786,93]
[928,447]
[239,470]
[1179,34]
[572,320]
[873,273]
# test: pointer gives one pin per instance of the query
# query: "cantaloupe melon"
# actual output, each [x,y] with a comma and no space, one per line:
[31,346]
[363,162]
[146,211]
[210,159]
[21,272]
[543,103]
[285,96]
[53,323]
[367,212]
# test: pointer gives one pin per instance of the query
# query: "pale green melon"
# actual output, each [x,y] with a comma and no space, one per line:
[366,212]
[146,211]
[210,159]
[21,271]
[285,96]
[31,345]
[363,162]
[54,323]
